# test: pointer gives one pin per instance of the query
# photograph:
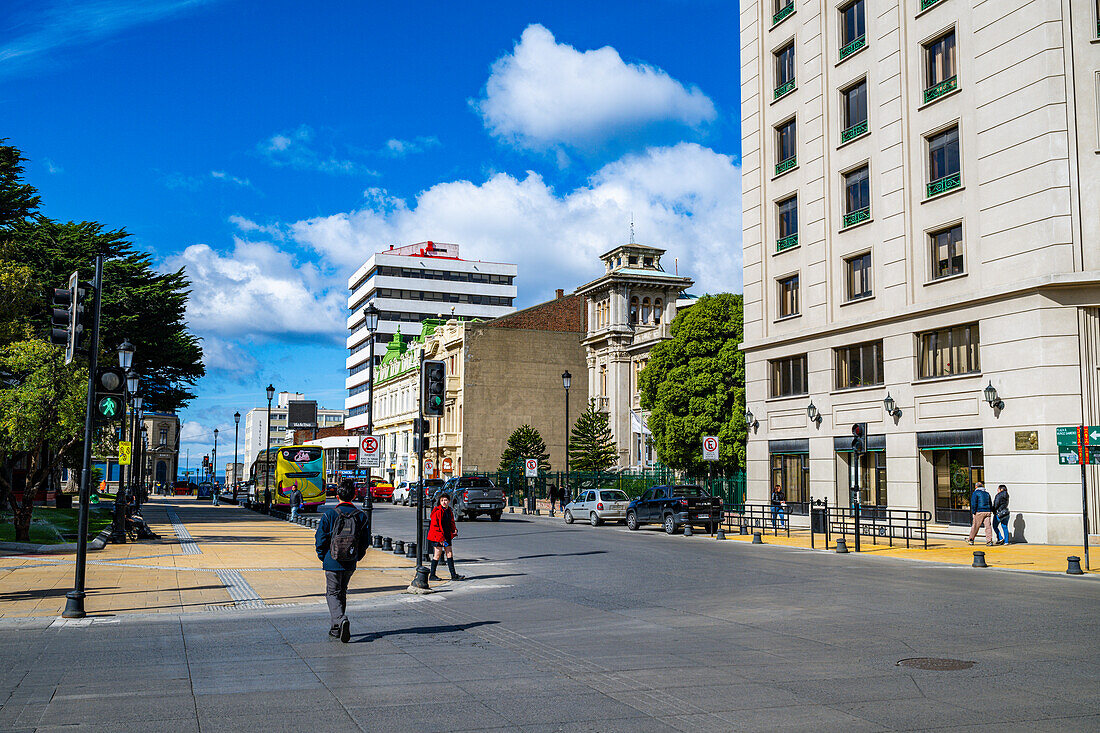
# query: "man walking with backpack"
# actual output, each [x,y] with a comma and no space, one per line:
[341,542]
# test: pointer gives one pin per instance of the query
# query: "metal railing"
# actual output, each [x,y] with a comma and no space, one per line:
[910,525]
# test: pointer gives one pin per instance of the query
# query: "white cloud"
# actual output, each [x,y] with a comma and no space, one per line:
[546,94]
[298,149]
[400,148]
[227,356]
[247,225]
[223,176]
[51,167]
[684,198]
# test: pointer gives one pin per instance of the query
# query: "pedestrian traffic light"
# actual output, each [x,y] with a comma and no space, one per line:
[859,438]
[434,376]
[109,383]
[68,309]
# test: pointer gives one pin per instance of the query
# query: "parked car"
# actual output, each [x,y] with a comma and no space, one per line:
[598,506]
[472,496]
[675,506]
[380,489]
[401,493]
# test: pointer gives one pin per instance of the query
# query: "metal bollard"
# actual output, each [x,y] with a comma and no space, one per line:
[1074,566]
[979,559]
[421,579]
[756,539]
[721,534]
[511,510]
[410,550]
[377,543]
[387,544]
[399,547]
[744,530]
[687,530]
[841,545]
[551,512]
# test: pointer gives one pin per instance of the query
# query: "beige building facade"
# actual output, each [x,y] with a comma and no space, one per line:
[920,180]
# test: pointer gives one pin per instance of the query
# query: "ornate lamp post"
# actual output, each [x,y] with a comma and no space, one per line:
[214,471]
[370,320]
[566,380]
[236,470]
[118,528]
[267,453]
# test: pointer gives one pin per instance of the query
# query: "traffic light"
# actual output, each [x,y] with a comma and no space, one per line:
[68,309]
[435,377]
[416,442]
[859,438]
[109,384]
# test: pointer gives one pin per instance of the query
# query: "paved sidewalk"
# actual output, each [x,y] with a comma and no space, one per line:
[208,558]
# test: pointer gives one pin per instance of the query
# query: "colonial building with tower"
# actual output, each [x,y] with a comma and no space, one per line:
[630,310]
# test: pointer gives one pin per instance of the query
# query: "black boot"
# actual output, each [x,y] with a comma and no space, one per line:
[432,575]
[451,567]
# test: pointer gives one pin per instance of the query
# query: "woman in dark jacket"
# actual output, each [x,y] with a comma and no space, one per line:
[1001,515]
[441,532]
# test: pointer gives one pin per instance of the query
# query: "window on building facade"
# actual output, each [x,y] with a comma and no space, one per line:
[859,365]
[788,376]
[658,306]
[164,436]
[943,162]
[948,351]
[791,472]
[853,28]
[603,380]
[857,196]
[855,111]
[941,67]
[786,148]
[784,70]
[955,471]
[788,296]
[633,310]
[947,252]
[645,310]
[782,9]
[787,212]
[857,275]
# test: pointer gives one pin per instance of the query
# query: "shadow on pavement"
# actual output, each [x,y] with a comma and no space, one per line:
[440,629]
[561,554]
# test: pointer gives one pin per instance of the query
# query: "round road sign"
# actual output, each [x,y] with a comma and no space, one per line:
[369,444]
[710,444]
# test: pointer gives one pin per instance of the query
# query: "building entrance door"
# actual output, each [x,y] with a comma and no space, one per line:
[954,473]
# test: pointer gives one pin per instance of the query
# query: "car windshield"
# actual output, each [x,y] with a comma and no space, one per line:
[613,496]
[690,492]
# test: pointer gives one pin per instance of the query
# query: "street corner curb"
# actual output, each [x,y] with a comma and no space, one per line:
[98,543]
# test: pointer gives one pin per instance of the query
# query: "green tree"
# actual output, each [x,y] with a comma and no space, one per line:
[694,385]
[524,442]
[41,420]
[591,447]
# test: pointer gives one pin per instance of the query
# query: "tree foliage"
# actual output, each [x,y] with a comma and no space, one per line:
[524,442]
[591,446]
[694,385]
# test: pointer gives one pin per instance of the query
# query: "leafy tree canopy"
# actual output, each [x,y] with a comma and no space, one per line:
[591,446]
[694,385]
[525,442]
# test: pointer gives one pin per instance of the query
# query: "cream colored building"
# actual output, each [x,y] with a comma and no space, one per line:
[630,310]
[920,188]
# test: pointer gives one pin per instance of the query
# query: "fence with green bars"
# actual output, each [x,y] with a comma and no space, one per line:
[517,488]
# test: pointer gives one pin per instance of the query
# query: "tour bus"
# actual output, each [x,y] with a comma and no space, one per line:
[290,466]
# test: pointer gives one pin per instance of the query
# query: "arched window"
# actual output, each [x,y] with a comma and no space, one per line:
[633,310]
[657,306]
[645,310]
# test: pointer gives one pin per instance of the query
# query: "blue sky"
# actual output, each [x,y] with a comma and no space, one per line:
[270,147]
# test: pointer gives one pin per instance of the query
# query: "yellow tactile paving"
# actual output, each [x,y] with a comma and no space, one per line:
[1021,556]
[276,559]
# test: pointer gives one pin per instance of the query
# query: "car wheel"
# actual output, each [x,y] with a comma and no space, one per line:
[495,516]
[594,520]
[631,521]
[670,524]
[568,517]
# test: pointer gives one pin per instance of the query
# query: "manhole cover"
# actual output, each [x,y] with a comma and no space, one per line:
[936,665]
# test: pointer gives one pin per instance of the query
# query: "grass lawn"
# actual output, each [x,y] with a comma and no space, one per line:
[51,526]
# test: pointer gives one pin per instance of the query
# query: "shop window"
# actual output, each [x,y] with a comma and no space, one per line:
[791,472]
[955,471]
[872,480]
[859,365]
[788,376]
[948,352]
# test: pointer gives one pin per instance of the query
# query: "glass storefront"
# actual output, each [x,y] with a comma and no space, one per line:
[791,471]
[872,477]
[954,473]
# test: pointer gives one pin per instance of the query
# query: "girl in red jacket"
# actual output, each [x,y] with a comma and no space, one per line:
[441,533]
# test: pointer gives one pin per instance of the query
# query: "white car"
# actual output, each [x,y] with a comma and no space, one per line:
[401,493]
[598,506]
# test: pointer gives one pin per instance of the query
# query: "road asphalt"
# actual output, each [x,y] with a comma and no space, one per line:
[575,628]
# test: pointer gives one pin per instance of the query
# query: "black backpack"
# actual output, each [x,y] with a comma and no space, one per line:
[344,546]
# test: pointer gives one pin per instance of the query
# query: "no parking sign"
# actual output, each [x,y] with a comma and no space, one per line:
[710,447]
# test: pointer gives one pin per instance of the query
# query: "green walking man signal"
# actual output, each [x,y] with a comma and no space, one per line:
[434,375]
[109,383]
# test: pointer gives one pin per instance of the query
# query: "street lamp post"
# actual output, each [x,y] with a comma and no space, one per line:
[144,448]
[566,380]
[267,452]
[236,470]
[370,320]
[118,530]
[214,471]
[135,449]
[133,382]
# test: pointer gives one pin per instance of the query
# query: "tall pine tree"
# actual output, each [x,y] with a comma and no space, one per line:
[525,442]
[591,447]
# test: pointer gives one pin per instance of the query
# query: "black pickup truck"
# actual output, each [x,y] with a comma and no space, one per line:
[674,507]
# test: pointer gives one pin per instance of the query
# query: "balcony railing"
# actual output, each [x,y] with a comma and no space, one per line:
[852,47]
[783,13]
[925,4]
[603,404]
[853,132]
[855,217]
[787,242]
[785,165]
[784,88]
[937,91]
[945,184]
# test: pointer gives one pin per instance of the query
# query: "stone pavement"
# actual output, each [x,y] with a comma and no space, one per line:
[208,558]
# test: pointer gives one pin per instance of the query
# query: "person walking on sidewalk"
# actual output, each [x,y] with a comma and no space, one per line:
[441,533]
[295,501]
[341,543]
[1001,515]
[779,502]
[981,507]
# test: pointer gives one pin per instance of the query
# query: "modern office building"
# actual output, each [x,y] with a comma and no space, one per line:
[256,428]
[411,283]
[922,251]
[630,310]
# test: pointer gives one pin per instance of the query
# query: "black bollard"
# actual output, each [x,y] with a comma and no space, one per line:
[410,550]
[687,530]
[387,544]
[377,544]
[744,529]
[420,581]
[721,534]
[1074,566]
[979,559]
[399,547]
[841,545]
[756,539]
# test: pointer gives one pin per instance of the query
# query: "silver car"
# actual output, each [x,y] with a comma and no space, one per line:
[598,506]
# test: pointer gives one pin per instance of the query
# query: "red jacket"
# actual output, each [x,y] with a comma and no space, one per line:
[442,527]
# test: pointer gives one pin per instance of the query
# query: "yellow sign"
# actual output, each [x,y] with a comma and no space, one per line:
[1027,440]
[124,453]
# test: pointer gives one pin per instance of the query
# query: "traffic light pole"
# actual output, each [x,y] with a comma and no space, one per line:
[118,527]
[74,599]
[421,550]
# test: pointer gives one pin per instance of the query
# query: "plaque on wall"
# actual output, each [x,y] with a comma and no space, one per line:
[1027,440]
